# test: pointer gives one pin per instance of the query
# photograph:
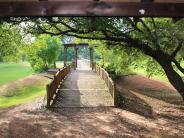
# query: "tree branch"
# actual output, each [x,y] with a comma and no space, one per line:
[133,24]
[178,65]
[155,33]
[173,55]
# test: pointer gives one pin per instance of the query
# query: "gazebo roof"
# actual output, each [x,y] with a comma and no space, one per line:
[153,8]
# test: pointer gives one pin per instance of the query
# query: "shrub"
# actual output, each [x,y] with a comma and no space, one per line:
[120,100]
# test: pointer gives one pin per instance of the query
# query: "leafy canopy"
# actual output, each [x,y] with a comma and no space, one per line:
[10,40]
[43,52]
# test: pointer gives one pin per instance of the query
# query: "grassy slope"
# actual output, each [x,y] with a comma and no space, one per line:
[22,95]
[11,72]
[157,77]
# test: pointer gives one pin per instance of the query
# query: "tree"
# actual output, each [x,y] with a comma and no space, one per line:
[159,38]
[10,40]
[43,52]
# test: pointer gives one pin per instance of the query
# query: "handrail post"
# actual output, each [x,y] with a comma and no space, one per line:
[114,93]
[48,96]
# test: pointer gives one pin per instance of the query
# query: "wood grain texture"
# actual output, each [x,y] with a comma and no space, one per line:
[156,1]
[92,8]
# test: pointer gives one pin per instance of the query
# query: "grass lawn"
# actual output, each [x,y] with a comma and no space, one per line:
[157,77]
[10,72]
[59,64]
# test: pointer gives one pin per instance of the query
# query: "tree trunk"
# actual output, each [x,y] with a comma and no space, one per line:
[173,77]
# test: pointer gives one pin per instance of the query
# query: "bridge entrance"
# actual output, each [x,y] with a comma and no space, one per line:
[87,85]
[78,63]
[83,88]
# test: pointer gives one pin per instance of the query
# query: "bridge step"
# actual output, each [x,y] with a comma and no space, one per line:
[83,98]
[87,86]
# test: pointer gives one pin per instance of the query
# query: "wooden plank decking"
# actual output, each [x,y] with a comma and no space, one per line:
[83,88]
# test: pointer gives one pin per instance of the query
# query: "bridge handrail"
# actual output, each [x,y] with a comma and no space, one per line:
[52,87]
[109,82]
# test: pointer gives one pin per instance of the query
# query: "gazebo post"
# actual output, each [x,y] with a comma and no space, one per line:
[76,56]
[65,55]
[91,58]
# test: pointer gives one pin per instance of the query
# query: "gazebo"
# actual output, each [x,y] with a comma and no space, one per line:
[76,47]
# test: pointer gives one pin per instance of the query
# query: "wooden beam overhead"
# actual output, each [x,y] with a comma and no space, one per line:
[156,1]
[76,45]
[92,8]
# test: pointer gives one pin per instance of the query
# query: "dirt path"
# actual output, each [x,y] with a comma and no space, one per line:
[146,115]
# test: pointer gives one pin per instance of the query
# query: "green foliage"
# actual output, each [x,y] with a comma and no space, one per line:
[120,60]
[143,42]
[43,52]
[70,54]
[120,100]
[116,61]
[10,40]
[85,53]
[157,33]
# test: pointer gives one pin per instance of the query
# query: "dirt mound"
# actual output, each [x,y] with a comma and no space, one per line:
[139,81]
[148,87]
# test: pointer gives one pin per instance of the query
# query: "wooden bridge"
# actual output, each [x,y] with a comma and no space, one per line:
[82,87]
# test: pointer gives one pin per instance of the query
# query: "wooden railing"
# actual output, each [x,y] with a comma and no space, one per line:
[56,82]
[109,82]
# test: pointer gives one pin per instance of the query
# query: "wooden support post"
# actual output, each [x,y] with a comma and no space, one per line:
[73,65]
[65,55]
[91,58]
[76,57]
[73,59]
[165,8]
[48,96]
[114,94]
